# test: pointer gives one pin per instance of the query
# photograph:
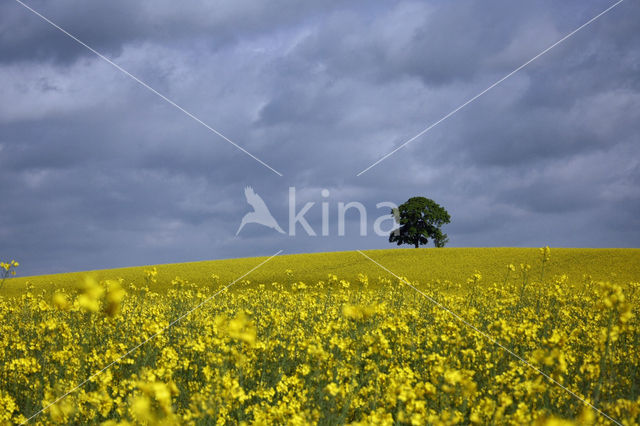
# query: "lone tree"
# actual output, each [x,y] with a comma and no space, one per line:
[419,219]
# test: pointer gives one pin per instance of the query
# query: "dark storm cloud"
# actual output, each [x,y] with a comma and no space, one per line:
[96,171]
[108,26]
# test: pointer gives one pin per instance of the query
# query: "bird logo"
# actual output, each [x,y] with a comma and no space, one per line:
[260,214]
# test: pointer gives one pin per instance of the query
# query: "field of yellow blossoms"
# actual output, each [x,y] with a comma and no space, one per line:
[371,349]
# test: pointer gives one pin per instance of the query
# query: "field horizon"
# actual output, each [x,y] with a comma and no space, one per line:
[448,263]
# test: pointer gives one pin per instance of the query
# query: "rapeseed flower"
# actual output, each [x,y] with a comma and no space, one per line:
[300,352]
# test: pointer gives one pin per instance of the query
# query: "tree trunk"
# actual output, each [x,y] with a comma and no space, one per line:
[416,243]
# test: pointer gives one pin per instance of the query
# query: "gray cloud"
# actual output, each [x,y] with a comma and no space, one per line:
[108,27]
[95,171]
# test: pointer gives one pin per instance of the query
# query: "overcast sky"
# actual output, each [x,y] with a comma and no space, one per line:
[98,172]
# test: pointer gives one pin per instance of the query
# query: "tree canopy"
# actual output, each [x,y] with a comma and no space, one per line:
[420,218]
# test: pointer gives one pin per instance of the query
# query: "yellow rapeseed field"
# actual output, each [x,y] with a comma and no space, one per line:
[459,336]
[424,265]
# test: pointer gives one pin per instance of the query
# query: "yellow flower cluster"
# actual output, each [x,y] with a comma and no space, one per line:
[373,351]
[545,252]
[8,266]
[7,269]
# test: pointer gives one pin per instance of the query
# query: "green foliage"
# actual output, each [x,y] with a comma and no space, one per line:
[420,219]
